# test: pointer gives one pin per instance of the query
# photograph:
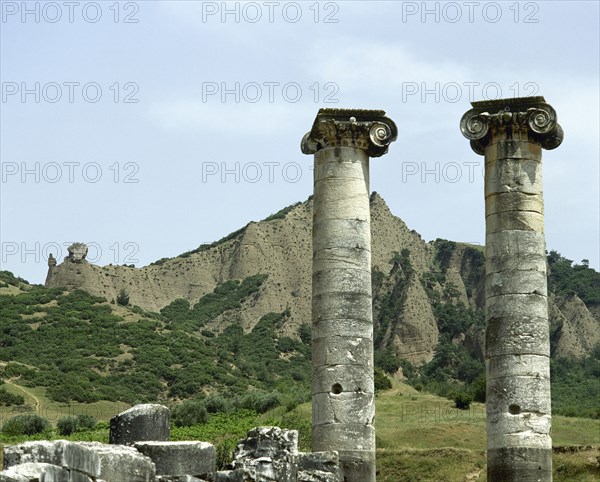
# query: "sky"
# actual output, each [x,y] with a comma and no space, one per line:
[145,129]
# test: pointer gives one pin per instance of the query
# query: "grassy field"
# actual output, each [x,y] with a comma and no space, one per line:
[36,401]
[409,419]
[420,437]
[423,438]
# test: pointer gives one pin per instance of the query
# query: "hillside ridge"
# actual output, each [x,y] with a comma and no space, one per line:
[280,246]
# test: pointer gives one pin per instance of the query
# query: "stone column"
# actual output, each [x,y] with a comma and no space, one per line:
[343,405]
[511,133]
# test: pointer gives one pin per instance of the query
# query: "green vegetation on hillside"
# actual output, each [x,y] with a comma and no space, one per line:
[77,349]
[74,345]
[458,373]
[576,386]
[7,278]
[566,279]
[227,296]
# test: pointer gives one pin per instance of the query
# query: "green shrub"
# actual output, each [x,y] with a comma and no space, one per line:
[123,297]
[260,402]
[190,412]
[26,424]
[66,425]
[304,331]
[85,422]
[463,400]
[478,389]
[216,404]
[382,382]
[69,425]
[387,360]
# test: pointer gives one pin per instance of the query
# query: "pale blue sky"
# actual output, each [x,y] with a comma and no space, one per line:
[180,135]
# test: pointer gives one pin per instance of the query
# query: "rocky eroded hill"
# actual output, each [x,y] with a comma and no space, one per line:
[414,284]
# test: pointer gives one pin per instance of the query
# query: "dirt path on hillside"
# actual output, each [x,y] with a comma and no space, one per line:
[26,392]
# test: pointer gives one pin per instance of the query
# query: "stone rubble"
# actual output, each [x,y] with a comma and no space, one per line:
[267,454]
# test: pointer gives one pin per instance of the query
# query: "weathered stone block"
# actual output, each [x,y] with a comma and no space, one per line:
[343,408]
[119,463]
[260,470]
[178,478]
[329,165]
[42,472]
[267,454]
[358,465]
[518,306]
[318,476]
[333,327]
[180,458]
[517,336]
[507,175]
[514,221]
[521,365]
[322,461]
[513,149]
[526,438]
[240,475]
[517,400]
[513,201]
[59,452]
[338,198]
[346,438]
[30,472]
[342,233]
[515,250]
[516,282]
[271,442]
[59,474]
[349,257]
[264,469]
[342,378]
[336,280]
[519,464]
[327,306]
[140,423]
[342,350]
[319,467]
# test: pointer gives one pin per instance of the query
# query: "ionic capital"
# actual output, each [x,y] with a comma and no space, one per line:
[530,116]
[369,130]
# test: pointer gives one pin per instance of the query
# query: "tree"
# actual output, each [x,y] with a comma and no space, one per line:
[462,400]
[190,412]
[382,382]
[123,297]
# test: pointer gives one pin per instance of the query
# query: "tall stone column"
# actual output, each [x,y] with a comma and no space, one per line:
[343,403]
[511,133]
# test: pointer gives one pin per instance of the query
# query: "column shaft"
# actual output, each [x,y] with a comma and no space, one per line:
[517,336]
[342,329]
[343,395]
[511,134]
